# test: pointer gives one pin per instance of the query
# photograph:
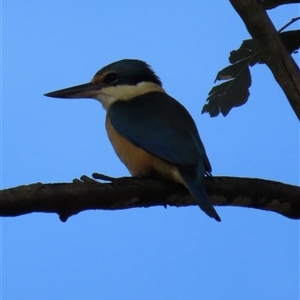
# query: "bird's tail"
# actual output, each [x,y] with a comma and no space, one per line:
[199,194]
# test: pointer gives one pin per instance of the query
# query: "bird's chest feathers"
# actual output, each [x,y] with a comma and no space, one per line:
[137,161]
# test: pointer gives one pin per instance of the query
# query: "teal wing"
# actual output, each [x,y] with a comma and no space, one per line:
[160,125]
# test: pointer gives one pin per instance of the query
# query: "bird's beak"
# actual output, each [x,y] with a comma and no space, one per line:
[87,90]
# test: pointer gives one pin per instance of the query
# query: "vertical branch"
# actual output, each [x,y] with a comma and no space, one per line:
[271,49]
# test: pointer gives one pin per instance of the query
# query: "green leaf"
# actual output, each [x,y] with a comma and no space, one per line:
[232,93]
[246,51]
[291,40]
[232,71]
[235,92]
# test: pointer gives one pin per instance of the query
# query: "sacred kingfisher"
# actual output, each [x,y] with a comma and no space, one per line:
[151,132]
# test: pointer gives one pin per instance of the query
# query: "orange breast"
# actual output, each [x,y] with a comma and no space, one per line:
[138,161]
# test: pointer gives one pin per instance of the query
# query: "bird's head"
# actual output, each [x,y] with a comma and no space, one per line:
[121,80]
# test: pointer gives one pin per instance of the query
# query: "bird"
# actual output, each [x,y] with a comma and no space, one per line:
[152,133]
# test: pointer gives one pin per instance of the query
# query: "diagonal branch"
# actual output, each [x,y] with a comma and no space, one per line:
[67,199]
[271,49]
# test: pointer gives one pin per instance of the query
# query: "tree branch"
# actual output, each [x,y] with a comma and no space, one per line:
[271,49]
[67,199]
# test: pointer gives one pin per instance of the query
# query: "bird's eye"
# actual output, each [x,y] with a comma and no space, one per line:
[111,78]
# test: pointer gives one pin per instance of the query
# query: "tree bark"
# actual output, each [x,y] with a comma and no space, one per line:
[67,199]
[271,49]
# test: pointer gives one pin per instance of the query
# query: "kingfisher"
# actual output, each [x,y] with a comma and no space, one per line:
[151,132]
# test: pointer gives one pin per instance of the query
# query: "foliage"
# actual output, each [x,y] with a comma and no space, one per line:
[234,91]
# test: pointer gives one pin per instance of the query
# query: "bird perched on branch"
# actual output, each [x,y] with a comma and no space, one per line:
[151,132]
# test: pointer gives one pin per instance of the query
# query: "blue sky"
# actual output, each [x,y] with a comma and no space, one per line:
[154,253]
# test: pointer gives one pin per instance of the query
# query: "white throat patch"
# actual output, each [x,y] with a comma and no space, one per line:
[109,95]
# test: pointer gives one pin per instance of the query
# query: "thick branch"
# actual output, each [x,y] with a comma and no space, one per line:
[271,49]
[68,199]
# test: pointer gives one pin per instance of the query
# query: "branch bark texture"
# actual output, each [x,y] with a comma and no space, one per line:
[67,199]
[271,49]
